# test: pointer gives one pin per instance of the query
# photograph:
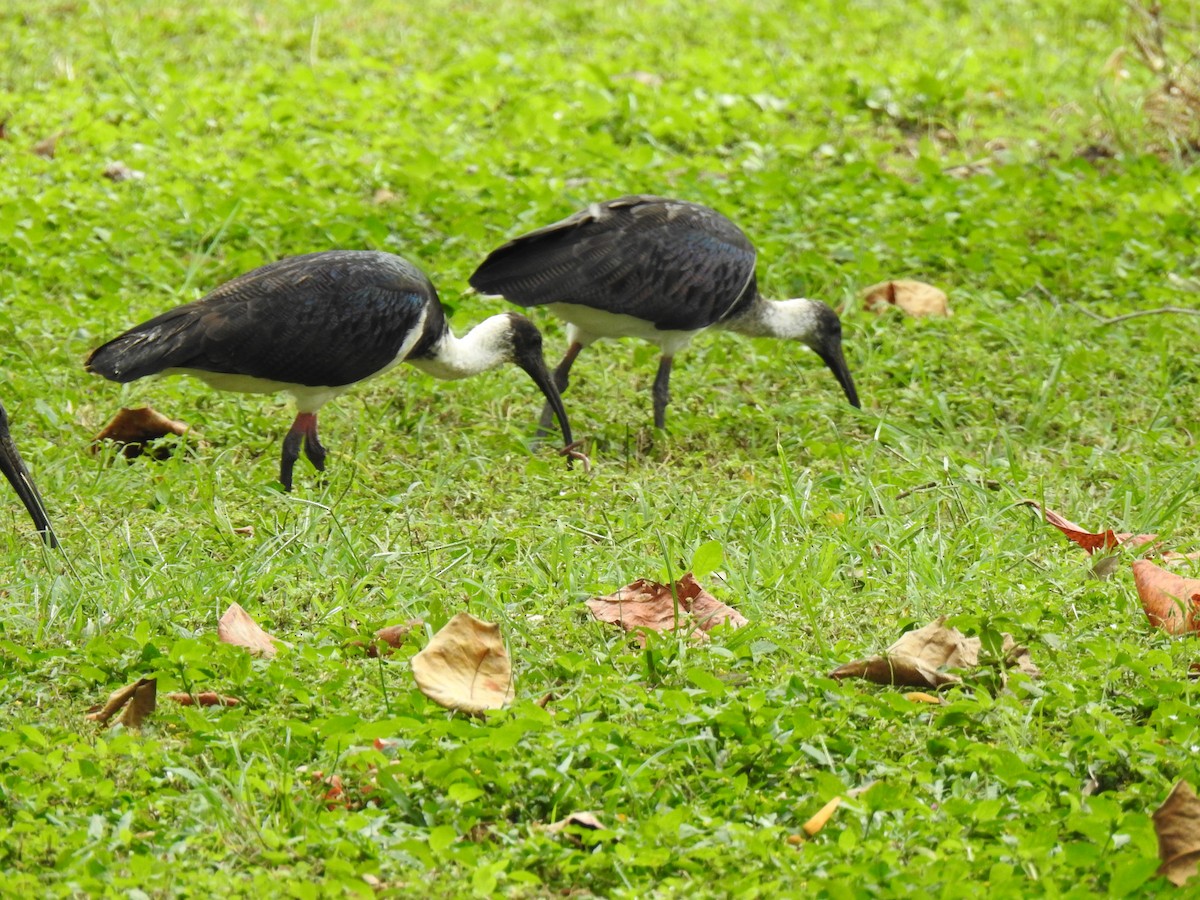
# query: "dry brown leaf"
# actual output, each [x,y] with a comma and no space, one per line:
[1171,601]
[395,635]
[135,428]
[648,604]
[204,698]
[913,297]
[1016,656]
[383,196]
[237,628]
[1177,824]
[1172,557]
[47,146]
[137,700]
[916,660]
[823,815]
[1091,541]
[118,171]
[465,667]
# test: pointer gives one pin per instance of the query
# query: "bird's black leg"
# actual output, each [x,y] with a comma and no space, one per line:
[561,380]
[291,451]
[312,447]
[662,392]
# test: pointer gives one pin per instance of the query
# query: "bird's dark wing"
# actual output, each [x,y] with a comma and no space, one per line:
[322,319]
[678,265]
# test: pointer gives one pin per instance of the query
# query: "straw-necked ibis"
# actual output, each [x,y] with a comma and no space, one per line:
[18,476]
[315,325]
[657,269]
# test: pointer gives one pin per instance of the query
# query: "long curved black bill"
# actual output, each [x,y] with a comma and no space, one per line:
[18,476]
[837,365]
[536,367]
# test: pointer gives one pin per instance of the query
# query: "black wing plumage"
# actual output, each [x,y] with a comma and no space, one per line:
[678,265]
[321,319]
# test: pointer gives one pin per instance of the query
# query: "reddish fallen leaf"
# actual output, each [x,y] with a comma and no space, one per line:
[1091,541]
[204,698]
[1172,557]
[920,656]
[913,297]
[134,429]
[391,637]
[237,628]
[1171,601]
[650,605]
[137,700]
[465,667]
[1177,826]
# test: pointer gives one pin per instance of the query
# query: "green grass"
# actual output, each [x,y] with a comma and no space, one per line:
[831,133]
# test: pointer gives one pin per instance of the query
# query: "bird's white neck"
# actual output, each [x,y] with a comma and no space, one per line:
[797,319]
[484,347]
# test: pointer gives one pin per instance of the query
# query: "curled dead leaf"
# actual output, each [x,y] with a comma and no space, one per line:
[137,700]
[913,297]
[1171,601]
[1177,825]
[239,629]
[133,429]
[823,815]
[465,667]
[651,605]
[1091,541]
[395,635]
[918,658]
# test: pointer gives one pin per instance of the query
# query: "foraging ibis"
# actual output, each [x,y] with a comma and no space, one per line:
[315,325]
[657,269]
[18,476]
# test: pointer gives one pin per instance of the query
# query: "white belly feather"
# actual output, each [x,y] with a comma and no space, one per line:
[587,325]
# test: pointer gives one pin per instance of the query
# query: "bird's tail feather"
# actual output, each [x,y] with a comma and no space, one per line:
[161,343]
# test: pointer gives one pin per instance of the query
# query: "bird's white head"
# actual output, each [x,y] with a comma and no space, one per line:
[505,338]
[809,321]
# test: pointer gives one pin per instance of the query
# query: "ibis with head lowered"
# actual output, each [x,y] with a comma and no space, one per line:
[18,476]
[315,325]
[658,269]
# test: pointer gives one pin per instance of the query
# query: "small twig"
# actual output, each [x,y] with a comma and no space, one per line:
[1176,310]
[1085,310]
